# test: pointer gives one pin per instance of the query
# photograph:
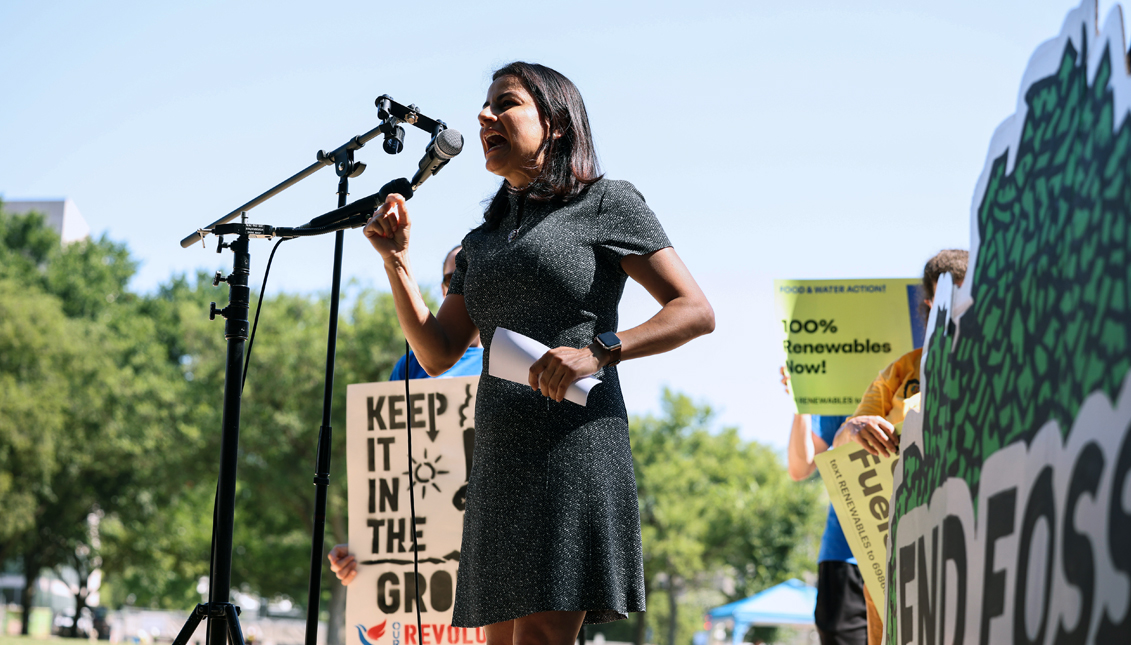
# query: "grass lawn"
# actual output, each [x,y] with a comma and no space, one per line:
[27,640]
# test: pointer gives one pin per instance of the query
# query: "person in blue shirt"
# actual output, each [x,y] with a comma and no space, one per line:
[841,615]
[470,364]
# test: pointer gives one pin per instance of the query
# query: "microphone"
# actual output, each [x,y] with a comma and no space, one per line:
[445,145]
[357,213]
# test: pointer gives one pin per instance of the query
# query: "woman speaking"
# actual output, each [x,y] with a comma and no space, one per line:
[551,536]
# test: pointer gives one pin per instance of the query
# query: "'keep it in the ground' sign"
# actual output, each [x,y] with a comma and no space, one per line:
[382,601]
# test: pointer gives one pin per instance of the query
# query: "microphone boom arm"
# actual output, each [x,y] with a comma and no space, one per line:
[391,114]
[352,215]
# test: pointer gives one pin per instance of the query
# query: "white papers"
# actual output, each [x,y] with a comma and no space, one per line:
[512,354]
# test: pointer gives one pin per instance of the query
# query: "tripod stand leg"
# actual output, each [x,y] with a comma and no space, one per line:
[190,625]
[235,632]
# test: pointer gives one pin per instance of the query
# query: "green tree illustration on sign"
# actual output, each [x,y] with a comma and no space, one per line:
[1049,324]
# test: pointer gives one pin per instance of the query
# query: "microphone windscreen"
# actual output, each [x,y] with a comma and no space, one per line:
[449,143]
[400,186]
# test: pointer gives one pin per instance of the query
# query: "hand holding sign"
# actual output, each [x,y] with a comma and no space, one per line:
[876,434]
[342,563]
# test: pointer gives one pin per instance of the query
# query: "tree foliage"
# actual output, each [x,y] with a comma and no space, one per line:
[162,554]
[110,402]
[85,392]
[35,348]
[713,507]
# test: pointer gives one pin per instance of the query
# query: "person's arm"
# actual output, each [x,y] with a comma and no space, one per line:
[438,341]
[684,314]
[868,425]
[804,445]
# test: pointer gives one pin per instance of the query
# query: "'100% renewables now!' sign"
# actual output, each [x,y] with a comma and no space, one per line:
[838,334]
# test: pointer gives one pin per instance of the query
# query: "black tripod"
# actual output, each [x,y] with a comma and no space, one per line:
[223,616]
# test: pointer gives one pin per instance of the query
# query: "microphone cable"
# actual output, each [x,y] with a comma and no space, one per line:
[412,495]
[258,307]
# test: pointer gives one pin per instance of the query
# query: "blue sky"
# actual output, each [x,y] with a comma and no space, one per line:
[774,140]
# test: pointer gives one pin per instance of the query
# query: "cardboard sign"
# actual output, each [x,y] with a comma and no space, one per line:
[381,602]
[838,334]
[859,486]
[1011,503]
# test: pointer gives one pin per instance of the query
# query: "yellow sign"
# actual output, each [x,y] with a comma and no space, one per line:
[860,487]
[838,334]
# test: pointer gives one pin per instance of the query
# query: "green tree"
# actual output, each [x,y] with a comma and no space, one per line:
[713,505]
[161,560]
[86,394]
[35,346]
[111,405]
[26,246]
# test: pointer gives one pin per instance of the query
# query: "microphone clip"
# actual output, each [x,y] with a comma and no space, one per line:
[342,159]
[389,110]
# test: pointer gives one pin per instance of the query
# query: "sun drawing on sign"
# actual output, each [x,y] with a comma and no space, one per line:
[426,472]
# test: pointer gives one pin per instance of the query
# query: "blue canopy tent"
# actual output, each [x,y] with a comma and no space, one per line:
[790,603]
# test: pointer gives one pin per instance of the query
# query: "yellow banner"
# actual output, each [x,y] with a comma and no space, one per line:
[838,334]
[860,487]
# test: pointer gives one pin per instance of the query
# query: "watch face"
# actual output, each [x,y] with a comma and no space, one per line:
[608,340]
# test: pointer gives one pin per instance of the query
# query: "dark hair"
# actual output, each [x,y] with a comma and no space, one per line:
[952,261]
[569,162]
[448,254]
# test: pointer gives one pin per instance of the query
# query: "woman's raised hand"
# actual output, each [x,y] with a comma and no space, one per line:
[388,229]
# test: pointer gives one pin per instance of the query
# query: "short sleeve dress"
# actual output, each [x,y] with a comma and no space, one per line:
[552,519]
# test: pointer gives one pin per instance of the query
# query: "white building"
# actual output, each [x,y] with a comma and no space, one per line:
[62,215]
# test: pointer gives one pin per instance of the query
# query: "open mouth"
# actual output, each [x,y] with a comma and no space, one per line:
[494,141]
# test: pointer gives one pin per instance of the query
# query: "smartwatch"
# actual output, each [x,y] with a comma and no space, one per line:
[611,344]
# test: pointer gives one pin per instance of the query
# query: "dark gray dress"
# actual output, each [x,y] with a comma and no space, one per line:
[552,521]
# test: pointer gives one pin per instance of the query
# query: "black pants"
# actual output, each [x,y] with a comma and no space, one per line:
[841,616]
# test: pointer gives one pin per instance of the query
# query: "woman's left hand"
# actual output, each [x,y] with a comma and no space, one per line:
[559,368]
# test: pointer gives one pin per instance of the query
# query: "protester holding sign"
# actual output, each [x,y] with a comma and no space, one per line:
[892,394]
[551,532]
[896,389]
[840,615]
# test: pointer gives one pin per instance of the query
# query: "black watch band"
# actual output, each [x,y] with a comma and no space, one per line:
[611,344]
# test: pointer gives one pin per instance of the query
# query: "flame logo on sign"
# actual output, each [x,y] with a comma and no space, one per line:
[375,632]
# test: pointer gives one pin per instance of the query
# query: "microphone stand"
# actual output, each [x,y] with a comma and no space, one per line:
[325,433]
[222,615]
